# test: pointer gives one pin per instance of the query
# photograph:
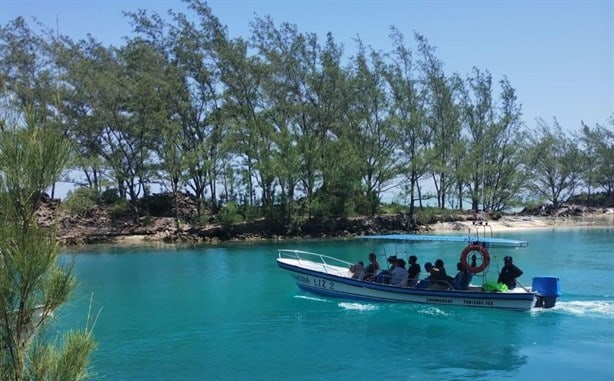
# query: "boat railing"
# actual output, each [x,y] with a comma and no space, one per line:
[328,263]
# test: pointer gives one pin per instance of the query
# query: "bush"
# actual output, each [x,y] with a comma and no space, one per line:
[120,210]
[432,215]
[81,200]
[160,205]
[250,212]
[202,220]
[109,196]
[229,214]
[394,208]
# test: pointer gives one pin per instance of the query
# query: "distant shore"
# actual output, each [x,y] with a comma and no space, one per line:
[520,223]
[502,225]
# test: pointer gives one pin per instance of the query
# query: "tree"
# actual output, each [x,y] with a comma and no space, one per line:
[147,115]
[507,173]
[369,129]
[492,166]
[194,104]
[407,115]
[32,283]
[245,105]
[478,113]
[320,122]
[81,70]
[598,158]
[293,57]
[605,151]
[557,164]
[443,119]
[27,72]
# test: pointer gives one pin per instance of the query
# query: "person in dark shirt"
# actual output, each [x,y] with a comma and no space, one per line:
[413,272]
[372,268]
[509,273]
[439,277]
[462,279]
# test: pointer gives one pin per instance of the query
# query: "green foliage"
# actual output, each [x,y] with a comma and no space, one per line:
[73,359]
[320,208]
[432,215]
[251,213]
[277,116]
[393,208]
[366,205]
[230,214]
[202,219]
[120,210]
[109,196]
[161,205]
[556,166]
[70,361]
[32,283]
[600,199]
[81,200]
[333,202]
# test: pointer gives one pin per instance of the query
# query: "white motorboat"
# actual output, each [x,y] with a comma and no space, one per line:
[330,276]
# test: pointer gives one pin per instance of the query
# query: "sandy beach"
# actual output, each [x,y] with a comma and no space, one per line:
[519,223]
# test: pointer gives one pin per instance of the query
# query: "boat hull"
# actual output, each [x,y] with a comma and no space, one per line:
[335,284]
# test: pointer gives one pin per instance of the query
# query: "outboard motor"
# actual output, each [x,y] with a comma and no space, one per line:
[547,289]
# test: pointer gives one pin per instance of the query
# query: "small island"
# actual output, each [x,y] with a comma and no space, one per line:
[98,224]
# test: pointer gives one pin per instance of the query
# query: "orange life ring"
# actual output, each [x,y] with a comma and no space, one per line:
[485,258]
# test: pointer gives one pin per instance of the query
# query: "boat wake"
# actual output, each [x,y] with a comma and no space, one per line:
[311,298]
[587,308]
[358,306]
[432,311]
[345,305]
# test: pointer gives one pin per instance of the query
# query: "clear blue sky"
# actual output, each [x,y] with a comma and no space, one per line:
[558,55]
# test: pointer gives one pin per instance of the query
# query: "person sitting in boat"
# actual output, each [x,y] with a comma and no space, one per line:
[462,279]
[425,283]
[399,274]
[358,270]
[509,273]
[384,276]
[413,272]
[372,268]
[439,278]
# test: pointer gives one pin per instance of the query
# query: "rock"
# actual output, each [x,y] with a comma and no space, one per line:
[99,226]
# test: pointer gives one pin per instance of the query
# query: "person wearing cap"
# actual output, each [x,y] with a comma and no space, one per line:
[413,272]
[509,273]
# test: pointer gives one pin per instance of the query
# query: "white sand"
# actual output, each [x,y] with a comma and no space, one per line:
[516,223]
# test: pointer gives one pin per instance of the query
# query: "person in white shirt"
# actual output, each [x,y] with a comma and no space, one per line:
[358,270]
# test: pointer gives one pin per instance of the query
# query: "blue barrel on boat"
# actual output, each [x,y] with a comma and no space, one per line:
[548,289]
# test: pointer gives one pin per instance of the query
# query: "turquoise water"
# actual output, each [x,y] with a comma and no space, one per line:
[228,313]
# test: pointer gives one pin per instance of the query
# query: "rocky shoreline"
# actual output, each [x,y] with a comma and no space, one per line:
[97,226]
